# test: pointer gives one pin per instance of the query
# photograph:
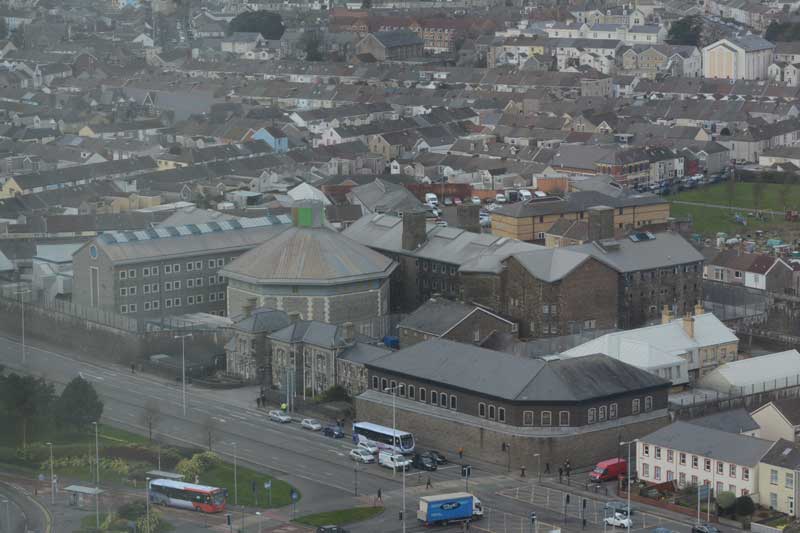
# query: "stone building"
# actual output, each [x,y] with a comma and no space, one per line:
[391,45]
[248,352]
[453,395]
[316,272]
[452,320]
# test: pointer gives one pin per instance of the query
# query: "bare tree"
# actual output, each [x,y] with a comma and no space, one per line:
[151,416]
[210,431]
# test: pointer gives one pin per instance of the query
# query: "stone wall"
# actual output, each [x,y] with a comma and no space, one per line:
[582,447]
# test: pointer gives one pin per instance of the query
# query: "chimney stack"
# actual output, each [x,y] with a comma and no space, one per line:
[688,325]
[294,316]
[348,332]
[698,309]
[666,315]
[415,232]
[601,223]
[247,308]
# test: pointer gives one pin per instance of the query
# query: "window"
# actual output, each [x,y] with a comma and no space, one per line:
[131,273]
[190,300]
[146,272]
[168,303]
[707,465]
[167,269]
[123,274]
[167,286]
[563,418]
[648,403]
[384,385]
[773,500]
[123,309]
[482,410]
[176,302]
[789,481]
[154,271]
[154,288]
[646,450]
[147,306]
[612,411]
[422,395]
[123,291]
[176,268]
[720,468]
[501,414]
[211,263]
[745,473]
[591,416]
[412,393]
[212,297]
[198,265]
[443,400]
[670,475]
[132,308]
[401,389]
[198,282]
[635,406]
[670,456]
[527,418]
[545,309]
[189,266]
[212,280]
[682,458]
[375,382]
[657,473]
[176,285]
[198,299]
[658,452]
[220,296]
[695,461]
[547,418]
[732,470]
[189,283]
[156,304]
[601,413]
[453,401]
[131,291]
[681,479]
[221,261]
[491,412]
[434,397]
[645,470]
[773,477]
[146,288]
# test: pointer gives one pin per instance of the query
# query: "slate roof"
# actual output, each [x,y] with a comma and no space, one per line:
[385,196]
[789,408]
[262,319]
[309,256]
[708,442]
[396,39]
[784,454]
[733,421]
[576,202]
[551,264]
[665,250]
[438,315]
[500,375]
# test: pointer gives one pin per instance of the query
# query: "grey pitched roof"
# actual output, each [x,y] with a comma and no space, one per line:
[733,421]
[551,264]
[576,202]
[310,331]
[361,352]
[624,255]
[438,315]
[394,39]
[263,319]
[752,42]
[385,196]
[316,256]
[709,442]
[789,408]
[505,376]
[784,454]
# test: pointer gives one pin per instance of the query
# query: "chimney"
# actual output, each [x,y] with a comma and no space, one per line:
[294,316]
[248,307]
[308,214]
[348,332]
[666,315]
[415,231]
[464,216]
[688,325]
[698,309]
[601,223]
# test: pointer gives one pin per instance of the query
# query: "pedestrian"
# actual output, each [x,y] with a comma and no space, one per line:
[429,485]
[560,473]
[258,401]
[380,496]
[133,368]
[547,468]
[461,453]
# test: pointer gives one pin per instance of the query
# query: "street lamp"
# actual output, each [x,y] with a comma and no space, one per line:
[538,466]
[628,467]
[8,515]
[183,367]
[52,477]
[260,520]
[147,501]
[22,307]
[97,477]
[394,443]
[235,477]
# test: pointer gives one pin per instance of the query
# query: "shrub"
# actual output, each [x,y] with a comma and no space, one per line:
[726,500]
[132,510]
[744,506]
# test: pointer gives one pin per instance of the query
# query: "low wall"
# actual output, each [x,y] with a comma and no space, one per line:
[666,506]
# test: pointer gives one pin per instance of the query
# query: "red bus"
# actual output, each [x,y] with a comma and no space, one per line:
[187,495]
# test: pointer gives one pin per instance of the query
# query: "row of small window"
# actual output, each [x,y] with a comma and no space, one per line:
[441,399]
[153,288]
[788,480]
[172,269]
[602,413]
[173,302]
[695,461]
[670,476]
[437,267]
[445,285]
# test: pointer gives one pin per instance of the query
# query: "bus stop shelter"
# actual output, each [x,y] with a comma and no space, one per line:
[161,474]
[81,497]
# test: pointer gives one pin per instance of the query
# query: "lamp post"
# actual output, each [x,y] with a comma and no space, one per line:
[8,515]
[147,501]
[260,520]
[394,443]
[22,294]
[538,466]
[628,468]
[235,477]
[52,477]
[183,367]
[97,476]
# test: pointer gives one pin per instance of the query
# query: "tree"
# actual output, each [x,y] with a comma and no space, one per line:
[79,406]
[726,500]
[268,24]
[311,45]
[686,31]
[24,397]
[151,416]
[744,506]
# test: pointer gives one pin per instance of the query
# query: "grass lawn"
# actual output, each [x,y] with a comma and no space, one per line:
[88,523]
[708,221]
[776,197]
[341,517]
[222,476]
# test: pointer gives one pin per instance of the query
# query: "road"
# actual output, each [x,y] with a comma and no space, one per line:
[20,513]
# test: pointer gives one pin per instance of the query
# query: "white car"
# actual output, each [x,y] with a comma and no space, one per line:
[361,455]
[279,416]
[311,423]
[368,446]
[619,520]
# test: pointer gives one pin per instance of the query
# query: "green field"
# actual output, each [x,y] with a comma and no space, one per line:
[341,517]
[775,197]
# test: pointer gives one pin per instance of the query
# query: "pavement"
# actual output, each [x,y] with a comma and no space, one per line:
[318,466]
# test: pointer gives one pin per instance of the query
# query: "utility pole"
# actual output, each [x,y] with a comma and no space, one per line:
[97,476]
[183,367]
[52,477]
[22,294]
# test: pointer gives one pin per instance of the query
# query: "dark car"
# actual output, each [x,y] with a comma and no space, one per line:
[331,529]
[704,528]
[423,462]
[335,432]
[436,456]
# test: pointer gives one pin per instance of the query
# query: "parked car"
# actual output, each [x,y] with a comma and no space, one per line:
[360,455]
[608,470]
[369,446]
[457,200]
[332,529]
[436,456]
[618,520]
[335,432]
[500,198]
[441,223]
[704,528]
[617,507]
[423,462]
[276,415]
[448,201]
[394,461]
[476,200]
[311,423]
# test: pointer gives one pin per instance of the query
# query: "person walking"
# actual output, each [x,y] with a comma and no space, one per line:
[133,368]
[380,496]
[461,453]
[429,485]
[560,473]
[547,468]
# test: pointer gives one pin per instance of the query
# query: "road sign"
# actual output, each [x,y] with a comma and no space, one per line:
[533,517]
[268,485]
[295,495]
[466,470]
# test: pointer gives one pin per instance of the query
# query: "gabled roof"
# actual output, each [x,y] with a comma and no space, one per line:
[263,319]
[666,249]
[784,454]
[551,264]
[733,421]
[789,408]
[396,39]
[437,316]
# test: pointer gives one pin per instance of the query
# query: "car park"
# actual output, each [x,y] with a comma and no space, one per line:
[277,415]
[360,455]
[334,432]
[311,423]
[618,520]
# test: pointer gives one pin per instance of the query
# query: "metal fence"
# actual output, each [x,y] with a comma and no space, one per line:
[729,302]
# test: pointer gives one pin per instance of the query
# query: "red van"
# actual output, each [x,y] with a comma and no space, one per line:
[608,470]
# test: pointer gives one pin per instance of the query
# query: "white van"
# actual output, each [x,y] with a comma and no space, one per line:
[525,195]
[431,199]
[394,461]
[500,198]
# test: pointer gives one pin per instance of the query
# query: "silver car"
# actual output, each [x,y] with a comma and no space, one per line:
[311,423]
[279,416]
[361,455]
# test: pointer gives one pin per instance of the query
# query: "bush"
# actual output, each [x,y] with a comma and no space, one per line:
[744,506]
[197,465]
[337,393]
[726,500]
[132,510]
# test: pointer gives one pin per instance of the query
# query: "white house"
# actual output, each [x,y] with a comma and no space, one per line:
[742,58]
[693,455]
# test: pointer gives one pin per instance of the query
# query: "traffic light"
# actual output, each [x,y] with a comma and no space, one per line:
[584,503]
[228,519]
[533,517]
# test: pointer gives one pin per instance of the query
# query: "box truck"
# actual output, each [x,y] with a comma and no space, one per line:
[446,508]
